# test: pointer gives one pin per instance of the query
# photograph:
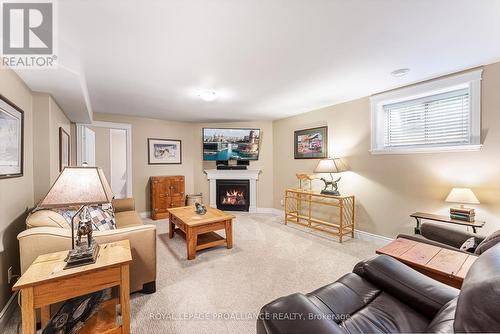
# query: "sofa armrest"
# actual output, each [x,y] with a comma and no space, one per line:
[294,314]
[446,235]
[123,204]
[42,240]
[420,292]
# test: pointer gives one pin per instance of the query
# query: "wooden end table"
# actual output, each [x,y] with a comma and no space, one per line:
[442,264]
[46,282]
[199,230]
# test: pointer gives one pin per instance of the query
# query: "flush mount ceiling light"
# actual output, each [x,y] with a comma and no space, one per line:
[400,72]
[207,95]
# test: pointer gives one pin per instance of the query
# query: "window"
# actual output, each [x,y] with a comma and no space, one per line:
[441,115]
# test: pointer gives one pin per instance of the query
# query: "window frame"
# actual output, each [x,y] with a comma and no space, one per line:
[470,80]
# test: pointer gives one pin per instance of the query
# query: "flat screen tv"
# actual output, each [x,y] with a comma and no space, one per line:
[221,144]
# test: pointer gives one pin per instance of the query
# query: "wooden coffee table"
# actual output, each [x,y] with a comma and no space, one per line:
[199,230]
[445,265]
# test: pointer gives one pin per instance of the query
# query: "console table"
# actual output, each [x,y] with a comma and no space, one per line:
[299,210]
[444,219]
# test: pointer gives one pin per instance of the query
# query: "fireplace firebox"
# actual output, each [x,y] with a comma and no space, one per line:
[233,195]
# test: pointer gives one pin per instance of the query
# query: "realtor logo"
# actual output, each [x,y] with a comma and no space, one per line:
[28,34]
[27,28]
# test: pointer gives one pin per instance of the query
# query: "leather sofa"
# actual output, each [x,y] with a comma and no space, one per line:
[447,237]
[382,295]
[47,232]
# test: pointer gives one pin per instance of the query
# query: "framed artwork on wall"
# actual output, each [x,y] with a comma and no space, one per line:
[164,151]
[64,149]
[11,139]
[311,143]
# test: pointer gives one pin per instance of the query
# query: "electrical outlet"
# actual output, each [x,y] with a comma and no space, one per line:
[282,203]
[9,275]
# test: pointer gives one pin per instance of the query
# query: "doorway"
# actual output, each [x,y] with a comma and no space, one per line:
[108,146]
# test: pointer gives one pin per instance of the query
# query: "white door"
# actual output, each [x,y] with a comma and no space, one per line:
[118,161]
[88,146]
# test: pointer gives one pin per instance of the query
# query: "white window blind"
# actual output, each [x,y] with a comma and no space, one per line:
[441,119]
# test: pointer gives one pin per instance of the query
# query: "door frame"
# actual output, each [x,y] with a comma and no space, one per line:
[110,125]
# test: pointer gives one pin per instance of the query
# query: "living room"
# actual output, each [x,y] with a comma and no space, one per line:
[361,146]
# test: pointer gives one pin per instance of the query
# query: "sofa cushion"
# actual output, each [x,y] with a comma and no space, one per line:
[386,314]
[344,297]
[443,322]
[46,218]
[127,218]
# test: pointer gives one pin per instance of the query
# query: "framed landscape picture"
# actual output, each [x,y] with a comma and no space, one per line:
[11,139]
[311,143]
[164,151]
[64,149]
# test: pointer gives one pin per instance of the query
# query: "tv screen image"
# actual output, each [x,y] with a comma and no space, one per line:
[230,144]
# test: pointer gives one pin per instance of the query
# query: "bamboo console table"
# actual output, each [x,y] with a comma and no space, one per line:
[299,210]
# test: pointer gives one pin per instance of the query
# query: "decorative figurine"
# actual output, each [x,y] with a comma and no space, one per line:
[331,187]
[84,229]
[200,208]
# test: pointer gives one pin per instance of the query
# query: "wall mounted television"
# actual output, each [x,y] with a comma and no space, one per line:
[220,144]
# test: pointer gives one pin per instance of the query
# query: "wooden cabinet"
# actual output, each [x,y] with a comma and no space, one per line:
[166,192]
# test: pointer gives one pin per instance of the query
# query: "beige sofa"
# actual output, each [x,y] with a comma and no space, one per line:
[48,232]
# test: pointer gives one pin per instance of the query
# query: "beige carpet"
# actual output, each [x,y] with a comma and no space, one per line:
[222,290]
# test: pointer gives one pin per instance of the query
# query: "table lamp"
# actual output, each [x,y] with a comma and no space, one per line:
[331,165]
[81,186]
[462,196]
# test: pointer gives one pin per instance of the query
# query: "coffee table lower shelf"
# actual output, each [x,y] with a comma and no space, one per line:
[205,240]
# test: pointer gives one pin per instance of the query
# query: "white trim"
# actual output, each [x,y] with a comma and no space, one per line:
[7,311]
[145,214]
[470,80]
[265,210]
[111,125]
[429,149]
[371,237]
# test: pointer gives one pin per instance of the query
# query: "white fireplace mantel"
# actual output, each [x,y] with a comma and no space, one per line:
[234,174]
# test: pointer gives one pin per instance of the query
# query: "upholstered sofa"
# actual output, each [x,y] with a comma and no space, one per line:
[47,231]
[383,295]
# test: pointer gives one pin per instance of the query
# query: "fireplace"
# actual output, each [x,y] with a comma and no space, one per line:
[233,195]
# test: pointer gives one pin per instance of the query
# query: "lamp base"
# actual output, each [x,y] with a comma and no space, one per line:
[330,192]
[82,256]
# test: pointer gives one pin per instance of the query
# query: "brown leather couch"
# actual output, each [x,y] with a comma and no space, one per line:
[47,232]
[383,295]
[447,237]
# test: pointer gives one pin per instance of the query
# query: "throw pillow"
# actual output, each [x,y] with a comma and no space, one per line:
[469,245]
[488,242]
[102,217]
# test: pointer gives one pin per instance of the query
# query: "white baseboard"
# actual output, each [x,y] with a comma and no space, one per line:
[265,210]
[373,238]
[6,312]
[145,214]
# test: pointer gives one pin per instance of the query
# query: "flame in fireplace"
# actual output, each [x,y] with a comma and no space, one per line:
[234,197]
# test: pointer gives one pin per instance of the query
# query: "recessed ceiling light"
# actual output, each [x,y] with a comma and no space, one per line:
[400,72]
[207,95]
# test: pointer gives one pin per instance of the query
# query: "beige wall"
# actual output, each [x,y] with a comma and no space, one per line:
[390,187]
[16,194]
[142,129]
[265,162]
[102,150]
[47,119]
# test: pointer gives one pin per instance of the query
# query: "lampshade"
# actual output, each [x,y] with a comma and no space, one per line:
[331,165]
[78,186]
[462,195]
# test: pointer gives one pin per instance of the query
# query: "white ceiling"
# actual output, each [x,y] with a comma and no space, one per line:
[267,59]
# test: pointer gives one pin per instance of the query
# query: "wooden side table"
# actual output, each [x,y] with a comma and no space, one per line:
[442,264]
[46,282]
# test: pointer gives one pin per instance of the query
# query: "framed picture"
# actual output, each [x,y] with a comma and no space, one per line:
[164,151]
[64,149]
[311,143]
[11,139]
